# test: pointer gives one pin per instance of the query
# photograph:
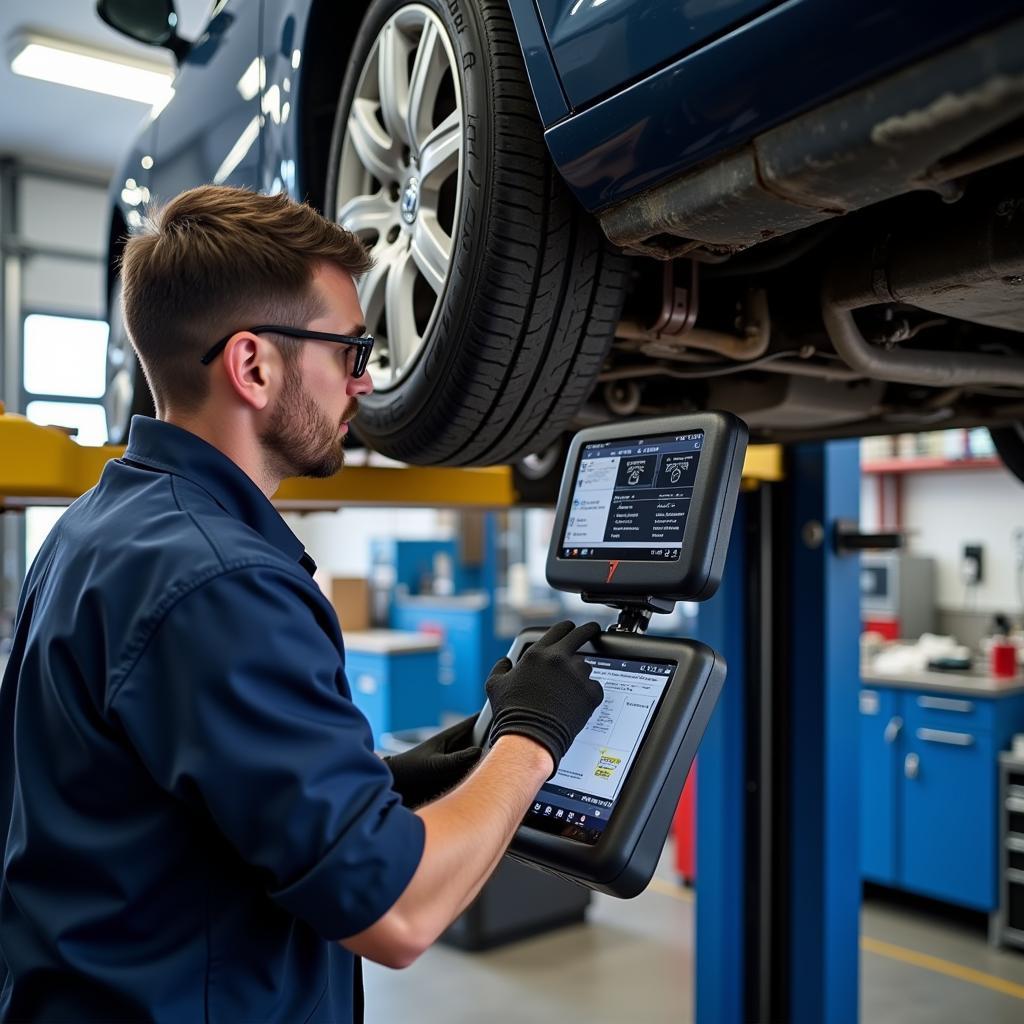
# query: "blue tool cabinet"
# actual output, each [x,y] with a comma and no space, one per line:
[929,790]
[465,627]
[394,679]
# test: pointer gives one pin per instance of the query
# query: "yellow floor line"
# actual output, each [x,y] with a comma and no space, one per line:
[887,949]
[934,963]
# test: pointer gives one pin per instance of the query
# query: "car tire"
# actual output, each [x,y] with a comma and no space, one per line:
[127,392]
[1009,443]
[506,350]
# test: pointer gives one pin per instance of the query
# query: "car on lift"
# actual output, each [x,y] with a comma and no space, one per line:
[808,213]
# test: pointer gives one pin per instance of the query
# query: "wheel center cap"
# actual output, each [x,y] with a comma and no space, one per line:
[411,200]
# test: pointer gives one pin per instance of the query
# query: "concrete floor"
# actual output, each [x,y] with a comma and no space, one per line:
[633,961]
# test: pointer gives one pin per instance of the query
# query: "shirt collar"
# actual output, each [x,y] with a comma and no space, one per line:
[170,449]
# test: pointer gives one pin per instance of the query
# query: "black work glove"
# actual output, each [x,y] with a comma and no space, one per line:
[436,765]
[548,695]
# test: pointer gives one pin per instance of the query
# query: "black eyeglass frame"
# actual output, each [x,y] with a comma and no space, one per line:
[363,345]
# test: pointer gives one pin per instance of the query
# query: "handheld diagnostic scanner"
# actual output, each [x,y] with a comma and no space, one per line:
[642,521]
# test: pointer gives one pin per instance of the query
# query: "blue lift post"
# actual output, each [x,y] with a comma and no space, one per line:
[778,886]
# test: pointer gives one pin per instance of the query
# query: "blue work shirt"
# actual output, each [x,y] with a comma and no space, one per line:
[190,805]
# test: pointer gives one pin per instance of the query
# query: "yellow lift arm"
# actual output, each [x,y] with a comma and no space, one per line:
[43,466]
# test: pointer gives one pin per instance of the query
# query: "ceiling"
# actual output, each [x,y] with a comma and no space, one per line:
[55,126]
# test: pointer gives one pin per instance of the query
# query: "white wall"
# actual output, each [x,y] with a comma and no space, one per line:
[64,213]
[67,216]
[339,542]
[947,509]
[869,487]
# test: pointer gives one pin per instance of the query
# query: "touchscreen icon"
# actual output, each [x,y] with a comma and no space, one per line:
[674,474]
[536,807]
[548,809]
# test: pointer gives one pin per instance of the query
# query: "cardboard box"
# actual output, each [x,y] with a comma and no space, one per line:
[351,598]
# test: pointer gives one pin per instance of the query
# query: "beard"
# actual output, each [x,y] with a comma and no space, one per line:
[300,439]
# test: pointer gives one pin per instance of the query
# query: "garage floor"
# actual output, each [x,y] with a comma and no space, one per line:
[633,961]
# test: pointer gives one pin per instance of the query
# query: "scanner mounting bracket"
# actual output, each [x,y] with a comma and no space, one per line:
[634,612]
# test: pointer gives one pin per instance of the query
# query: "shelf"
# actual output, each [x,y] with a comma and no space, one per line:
[928,464]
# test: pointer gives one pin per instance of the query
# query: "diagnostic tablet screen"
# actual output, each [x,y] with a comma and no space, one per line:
[579,800]
[631,498]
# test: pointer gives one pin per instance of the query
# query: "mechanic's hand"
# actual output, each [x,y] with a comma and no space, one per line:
[548,695]
[436,765]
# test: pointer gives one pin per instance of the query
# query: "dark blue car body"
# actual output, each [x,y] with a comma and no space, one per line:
[630,92]
[685,130]
[651,90]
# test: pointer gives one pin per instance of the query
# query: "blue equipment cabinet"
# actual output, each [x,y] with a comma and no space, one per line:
[929,801]
[394,679]
[464,626]
[879,725]
[413,563]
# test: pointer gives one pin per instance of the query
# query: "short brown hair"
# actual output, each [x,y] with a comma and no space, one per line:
[215,260]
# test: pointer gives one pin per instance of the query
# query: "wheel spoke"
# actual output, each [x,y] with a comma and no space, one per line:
[393,82]
[390,137]
[427,71]
[365,214]
[431,249]
[376,152]
[401,333]
[440,154]
[372,285]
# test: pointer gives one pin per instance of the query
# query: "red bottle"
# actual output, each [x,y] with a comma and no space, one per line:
[1002,658]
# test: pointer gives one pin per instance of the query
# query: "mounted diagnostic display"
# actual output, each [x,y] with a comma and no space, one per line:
[630,499]
[642,521]
[646,508]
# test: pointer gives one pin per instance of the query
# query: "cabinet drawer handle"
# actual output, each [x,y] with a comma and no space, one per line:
[893,729]
[954,739]
[946,704]
[911,766]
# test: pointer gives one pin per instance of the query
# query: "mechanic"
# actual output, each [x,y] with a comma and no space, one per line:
[196,826]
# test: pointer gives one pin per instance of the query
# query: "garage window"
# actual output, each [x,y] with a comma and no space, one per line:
[64,372]
[64,361]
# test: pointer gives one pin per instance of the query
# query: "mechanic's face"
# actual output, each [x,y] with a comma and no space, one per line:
[319,396]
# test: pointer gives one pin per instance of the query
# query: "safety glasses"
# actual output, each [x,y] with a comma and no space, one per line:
[363,345]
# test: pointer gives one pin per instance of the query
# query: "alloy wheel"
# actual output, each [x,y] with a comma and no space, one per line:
[399,182]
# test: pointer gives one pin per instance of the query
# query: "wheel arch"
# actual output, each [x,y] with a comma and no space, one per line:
[324,67]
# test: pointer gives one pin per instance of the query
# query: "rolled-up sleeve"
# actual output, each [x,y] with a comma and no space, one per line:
[238,706]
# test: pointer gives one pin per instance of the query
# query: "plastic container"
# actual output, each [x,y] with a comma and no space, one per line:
[1002,658]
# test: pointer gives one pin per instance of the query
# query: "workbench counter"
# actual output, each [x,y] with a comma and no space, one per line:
[976,683]
[390,641]
[465,602]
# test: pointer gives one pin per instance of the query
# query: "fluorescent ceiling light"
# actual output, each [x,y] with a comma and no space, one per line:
[84,67]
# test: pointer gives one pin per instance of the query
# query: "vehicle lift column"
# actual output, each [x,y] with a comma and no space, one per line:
[778,880]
